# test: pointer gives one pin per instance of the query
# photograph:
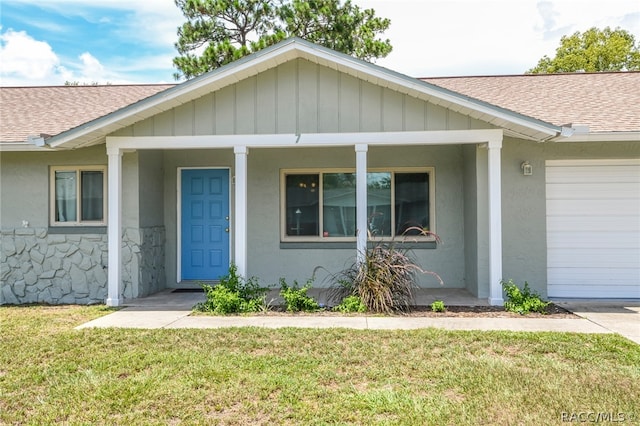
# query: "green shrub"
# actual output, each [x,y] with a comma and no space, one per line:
[233,294]
[438,306]
[350,304]
[522,301]
[296,298]
[384,279]
[221,300]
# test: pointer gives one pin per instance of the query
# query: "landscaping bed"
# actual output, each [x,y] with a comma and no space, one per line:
[387,288]
[552,311]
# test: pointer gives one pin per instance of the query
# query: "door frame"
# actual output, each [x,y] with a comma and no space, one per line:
[179,215]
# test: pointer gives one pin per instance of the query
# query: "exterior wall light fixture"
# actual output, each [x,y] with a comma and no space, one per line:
[527,169]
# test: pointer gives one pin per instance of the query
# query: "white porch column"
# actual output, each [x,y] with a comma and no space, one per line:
[240,220]
[114,226]
[495,222]
[361,200]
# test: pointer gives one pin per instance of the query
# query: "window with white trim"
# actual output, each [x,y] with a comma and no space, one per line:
[321,205]
[78,196]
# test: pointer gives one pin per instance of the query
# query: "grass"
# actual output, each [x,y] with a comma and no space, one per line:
[51,373]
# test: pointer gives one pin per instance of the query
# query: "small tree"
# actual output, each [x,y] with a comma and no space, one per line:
[593,51]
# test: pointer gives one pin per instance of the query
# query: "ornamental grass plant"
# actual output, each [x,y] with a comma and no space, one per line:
[384,277]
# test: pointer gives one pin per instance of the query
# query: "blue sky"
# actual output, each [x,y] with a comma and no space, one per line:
[48,42]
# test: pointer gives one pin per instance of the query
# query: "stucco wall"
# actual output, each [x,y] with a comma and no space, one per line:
[523,202]
[39,263]
[470,218]
[23,173]
[151,188]
[269,260]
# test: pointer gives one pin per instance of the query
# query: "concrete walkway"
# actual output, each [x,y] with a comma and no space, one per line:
[172,310]
[618,316]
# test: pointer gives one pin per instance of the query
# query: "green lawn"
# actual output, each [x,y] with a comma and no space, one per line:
[51,373]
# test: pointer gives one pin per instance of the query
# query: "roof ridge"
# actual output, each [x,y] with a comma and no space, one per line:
[529,75]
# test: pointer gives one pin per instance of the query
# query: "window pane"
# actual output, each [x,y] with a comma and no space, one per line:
[339,204]
[412,202]
[379,203]
[65,197]
[92,195]
[302,204]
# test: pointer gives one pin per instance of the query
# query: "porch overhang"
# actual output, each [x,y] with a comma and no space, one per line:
[116,146]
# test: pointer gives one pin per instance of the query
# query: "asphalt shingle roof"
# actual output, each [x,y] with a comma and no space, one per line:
[606,102]
[52,110]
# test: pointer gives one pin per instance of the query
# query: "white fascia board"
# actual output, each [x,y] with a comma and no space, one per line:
[600,137]
[438,137]
[22,147]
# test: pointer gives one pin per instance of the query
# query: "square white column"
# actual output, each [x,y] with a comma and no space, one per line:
[114,226]
[495,222]
[240,219]
[361,200]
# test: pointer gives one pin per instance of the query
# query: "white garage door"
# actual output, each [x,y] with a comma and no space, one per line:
[593,228]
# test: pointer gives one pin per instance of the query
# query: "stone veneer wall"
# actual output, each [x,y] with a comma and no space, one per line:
[39,267]
[143,251]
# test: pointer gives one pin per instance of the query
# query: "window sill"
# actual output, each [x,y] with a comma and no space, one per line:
[77,230]
[324,245]
[318,245]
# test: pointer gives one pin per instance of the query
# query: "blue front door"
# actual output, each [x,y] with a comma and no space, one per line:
[205,223]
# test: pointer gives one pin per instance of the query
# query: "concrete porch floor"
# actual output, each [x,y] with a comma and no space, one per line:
[169,299]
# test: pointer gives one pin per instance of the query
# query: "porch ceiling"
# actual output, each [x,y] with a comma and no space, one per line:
[94,132]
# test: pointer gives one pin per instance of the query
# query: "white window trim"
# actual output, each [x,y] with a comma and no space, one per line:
[52,195]
[320,171]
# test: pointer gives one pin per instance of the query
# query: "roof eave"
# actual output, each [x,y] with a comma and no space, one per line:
[626,136]
[22,147]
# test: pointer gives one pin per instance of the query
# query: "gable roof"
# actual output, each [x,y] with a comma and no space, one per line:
[530,106]
[37,111]
[605,102]
[93,132]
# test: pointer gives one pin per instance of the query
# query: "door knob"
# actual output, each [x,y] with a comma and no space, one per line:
[226,229]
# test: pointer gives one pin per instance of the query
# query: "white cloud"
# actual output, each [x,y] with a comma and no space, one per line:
[91,69]
[159,21]
[150,24]
[149,21]
[26,59]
